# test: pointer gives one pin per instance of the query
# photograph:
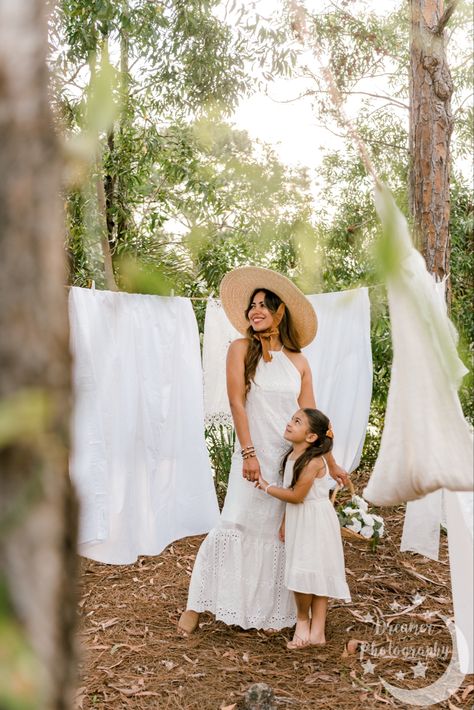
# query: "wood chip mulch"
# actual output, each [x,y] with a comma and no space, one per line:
[133,658]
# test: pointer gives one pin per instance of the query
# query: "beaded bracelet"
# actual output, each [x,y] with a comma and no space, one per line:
[246,449]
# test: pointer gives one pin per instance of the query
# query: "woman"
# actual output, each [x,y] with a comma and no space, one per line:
[239,570]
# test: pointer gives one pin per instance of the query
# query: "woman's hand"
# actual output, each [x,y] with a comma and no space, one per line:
[251,469]
[281,531]
[339,474]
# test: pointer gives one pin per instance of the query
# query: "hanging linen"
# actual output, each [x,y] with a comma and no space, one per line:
[341,363]
[340,359]
[422,524]
[459,513]
[139,459]
[426,442]
[218,335]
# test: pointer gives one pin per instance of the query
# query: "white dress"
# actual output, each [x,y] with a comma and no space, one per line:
[239,570]
[314,554]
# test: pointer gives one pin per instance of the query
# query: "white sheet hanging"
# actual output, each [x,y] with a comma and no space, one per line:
[340,358]
[421,527]
[139,458]
[341,362]
[426,442]
[421,533]
[459,513]
[218,334]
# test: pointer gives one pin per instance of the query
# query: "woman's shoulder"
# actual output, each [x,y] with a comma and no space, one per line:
[238,348]
[239,345]
[298,359]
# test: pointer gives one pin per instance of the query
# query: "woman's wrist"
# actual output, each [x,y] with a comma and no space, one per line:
[248,452]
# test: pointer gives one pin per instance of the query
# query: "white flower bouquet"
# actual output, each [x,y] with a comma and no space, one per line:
[357,522]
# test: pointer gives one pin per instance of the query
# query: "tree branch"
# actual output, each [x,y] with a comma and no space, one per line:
[445,17]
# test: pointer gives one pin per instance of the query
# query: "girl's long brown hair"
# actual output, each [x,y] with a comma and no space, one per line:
[318,423]
[288,336]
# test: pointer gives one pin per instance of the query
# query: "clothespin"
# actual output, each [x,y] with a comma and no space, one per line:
[172,292]
[93,286]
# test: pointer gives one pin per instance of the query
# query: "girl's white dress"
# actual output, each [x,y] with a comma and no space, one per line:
[239,570]
[314,554]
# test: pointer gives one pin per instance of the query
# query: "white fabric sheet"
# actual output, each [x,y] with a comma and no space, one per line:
[421,527]
[340,358]
[341,362]
[459,510]
[139,459]
[426,442]
[218,335]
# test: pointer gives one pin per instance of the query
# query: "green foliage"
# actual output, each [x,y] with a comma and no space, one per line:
[462,282]
[220,439]
[189,197]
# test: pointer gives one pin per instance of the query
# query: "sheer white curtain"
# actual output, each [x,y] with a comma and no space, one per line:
[139,459]
[426,442]
[340,358]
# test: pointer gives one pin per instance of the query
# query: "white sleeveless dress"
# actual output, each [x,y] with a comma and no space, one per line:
[314,553]
[239,570]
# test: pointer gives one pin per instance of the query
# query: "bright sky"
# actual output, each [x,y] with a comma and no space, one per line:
[291,126]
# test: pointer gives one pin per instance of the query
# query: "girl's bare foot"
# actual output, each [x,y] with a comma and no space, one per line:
[317,636]
[301,636]
[188,622]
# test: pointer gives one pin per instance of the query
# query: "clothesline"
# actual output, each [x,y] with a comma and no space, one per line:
[203,298]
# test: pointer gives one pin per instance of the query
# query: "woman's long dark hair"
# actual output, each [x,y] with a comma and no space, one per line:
[319,424]
[288,335]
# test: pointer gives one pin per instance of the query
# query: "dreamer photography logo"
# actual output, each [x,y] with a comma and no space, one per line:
[390,642]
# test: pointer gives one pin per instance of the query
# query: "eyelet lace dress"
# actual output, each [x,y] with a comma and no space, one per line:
[314,553]
[240,567]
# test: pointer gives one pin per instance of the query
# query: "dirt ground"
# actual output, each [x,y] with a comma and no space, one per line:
[133,658]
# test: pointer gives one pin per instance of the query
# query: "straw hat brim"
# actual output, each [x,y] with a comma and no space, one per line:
[238,285]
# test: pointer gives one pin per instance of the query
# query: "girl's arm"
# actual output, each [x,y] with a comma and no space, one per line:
[314,469]
[235,369]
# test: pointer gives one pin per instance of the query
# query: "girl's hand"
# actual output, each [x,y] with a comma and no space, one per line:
[281,532]
[251,469]
[261,483]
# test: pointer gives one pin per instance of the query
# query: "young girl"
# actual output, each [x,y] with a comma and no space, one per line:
[314,568]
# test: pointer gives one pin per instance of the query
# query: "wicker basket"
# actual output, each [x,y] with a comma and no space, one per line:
[345,532]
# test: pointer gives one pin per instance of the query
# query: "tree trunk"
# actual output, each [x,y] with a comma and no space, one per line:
[122,222]
[37,507]
[109,189]
[100,186]
[104,236]
[430,132]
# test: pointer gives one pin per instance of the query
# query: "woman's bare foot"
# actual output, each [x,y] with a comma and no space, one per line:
[188,622]
[270,632]
[301,637]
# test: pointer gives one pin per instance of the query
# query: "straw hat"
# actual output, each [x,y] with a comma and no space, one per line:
[238,285]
